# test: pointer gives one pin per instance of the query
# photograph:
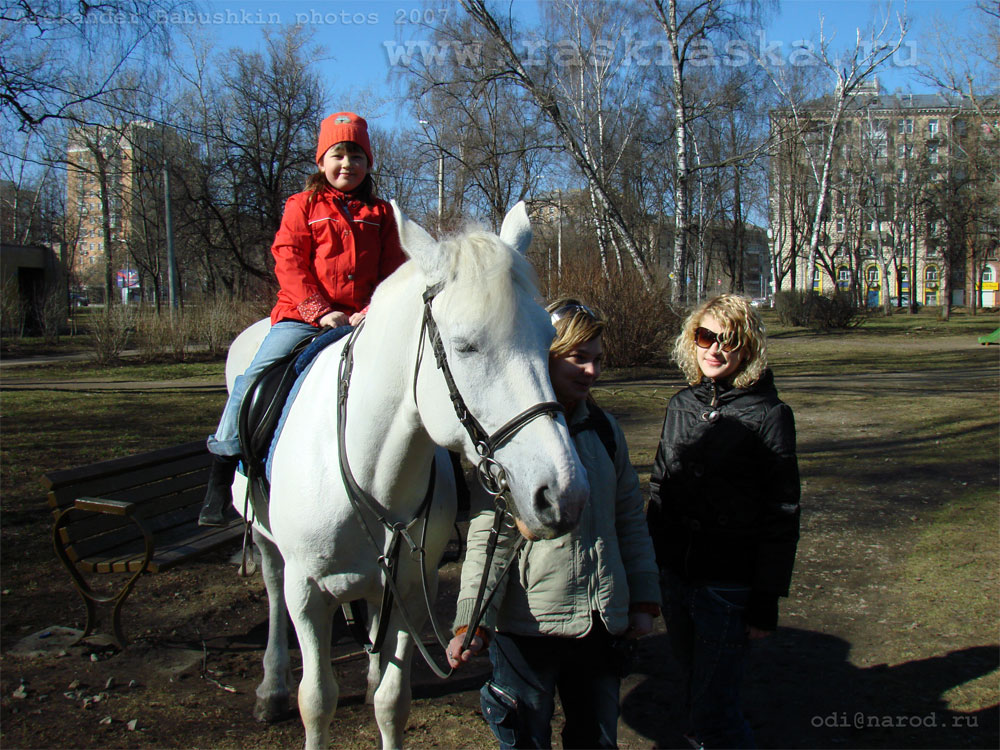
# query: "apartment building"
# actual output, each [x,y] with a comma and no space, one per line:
[913,199]
[115,200]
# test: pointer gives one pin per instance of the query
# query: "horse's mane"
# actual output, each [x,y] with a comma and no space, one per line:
[485,278]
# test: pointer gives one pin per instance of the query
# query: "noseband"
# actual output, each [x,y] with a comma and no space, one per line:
[490,472]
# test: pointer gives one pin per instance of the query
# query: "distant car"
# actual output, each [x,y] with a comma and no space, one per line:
[761,302]
[78,300]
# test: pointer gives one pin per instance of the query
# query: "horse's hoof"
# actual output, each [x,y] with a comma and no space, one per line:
[272,710]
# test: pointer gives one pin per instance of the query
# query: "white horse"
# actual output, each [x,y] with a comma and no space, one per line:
[319,550]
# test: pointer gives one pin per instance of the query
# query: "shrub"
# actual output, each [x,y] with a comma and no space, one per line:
[111,331]
[13,314]
[641,322]
[809,309]
[217,322]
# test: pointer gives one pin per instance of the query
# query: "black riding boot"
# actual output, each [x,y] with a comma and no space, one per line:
[219,494]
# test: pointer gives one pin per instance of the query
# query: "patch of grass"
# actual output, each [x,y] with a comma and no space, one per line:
[201,366]
[45,430]
[926,321]
[952,570]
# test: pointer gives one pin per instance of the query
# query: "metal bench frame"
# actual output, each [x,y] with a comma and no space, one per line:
[132,515]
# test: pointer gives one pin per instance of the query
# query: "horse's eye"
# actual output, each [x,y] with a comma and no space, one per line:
[463,346]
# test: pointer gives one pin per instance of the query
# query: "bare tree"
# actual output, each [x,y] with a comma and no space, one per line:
[259,134]
[509,64]
[965,58]
[52,46]
[818,122]
[689,28]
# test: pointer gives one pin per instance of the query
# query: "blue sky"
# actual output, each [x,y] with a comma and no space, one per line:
[364,37]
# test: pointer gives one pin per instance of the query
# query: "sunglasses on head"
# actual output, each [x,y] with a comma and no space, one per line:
[704,338]
[571,310]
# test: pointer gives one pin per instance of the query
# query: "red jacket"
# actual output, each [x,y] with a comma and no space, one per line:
[331,253]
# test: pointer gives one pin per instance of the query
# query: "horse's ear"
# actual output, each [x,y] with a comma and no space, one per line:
[516,229]
[416,242]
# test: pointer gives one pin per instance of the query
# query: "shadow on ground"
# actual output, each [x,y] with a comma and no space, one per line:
[802,690]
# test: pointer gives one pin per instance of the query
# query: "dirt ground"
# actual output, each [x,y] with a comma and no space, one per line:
[851,665]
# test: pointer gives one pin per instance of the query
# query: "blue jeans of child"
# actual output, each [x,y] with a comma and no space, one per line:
[280,340]
[519,699]
[708,637]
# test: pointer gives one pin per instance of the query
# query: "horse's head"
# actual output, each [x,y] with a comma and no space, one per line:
[495,339]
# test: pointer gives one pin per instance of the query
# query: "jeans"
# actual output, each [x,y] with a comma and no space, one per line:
[280,340]
[519,699]
[708,637]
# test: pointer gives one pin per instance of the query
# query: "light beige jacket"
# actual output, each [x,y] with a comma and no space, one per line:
[604,565]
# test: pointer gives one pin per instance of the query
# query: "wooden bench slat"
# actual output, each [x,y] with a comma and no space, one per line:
[124,465]
[83,527]
[128,558]
[144,484]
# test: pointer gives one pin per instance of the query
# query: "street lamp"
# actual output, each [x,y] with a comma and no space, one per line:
[440,206]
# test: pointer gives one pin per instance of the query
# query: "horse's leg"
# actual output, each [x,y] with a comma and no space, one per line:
[374,662]
[312,613]
[272,693]
[392,698]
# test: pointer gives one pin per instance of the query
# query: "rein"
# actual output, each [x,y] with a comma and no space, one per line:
[490,472]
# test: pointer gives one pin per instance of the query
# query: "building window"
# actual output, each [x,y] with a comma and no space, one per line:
[840,225]
[881,150]
[904,273]
[931,274]
[843,276]
[932,127]
[960,127]
[989,276]
[932,227]
[932,154]
[904,126]
[872,225]
[900,176]
[871,274]
[903,151]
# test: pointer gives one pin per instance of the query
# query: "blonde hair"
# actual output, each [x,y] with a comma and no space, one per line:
[742,327]
[575,328]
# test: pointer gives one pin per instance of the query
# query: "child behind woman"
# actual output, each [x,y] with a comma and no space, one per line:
[337,241]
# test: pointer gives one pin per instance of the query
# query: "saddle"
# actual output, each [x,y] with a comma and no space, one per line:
[264,401]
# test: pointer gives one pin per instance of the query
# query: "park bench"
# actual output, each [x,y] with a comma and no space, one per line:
[130,516]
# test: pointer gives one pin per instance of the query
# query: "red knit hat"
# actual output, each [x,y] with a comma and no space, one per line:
[340,127]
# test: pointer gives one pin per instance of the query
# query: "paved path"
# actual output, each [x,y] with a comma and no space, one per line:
[88,385]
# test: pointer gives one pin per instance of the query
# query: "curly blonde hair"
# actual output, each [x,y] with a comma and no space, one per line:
[574,328]
[742,327]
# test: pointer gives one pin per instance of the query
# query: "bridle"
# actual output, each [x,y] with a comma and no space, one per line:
[490,472]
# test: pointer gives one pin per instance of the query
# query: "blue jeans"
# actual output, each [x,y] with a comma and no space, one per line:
[519,699]
[280,340]
[708,636]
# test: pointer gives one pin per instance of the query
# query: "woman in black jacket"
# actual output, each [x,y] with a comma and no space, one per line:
[724,511]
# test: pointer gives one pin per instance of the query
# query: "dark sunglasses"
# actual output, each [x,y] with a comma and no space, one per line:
[571,310]
[704,338]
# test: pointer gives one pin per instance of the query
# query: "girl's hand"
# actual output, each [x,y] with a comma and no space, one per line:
[639,624]
[334,319]
[357,318]
[457,657]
